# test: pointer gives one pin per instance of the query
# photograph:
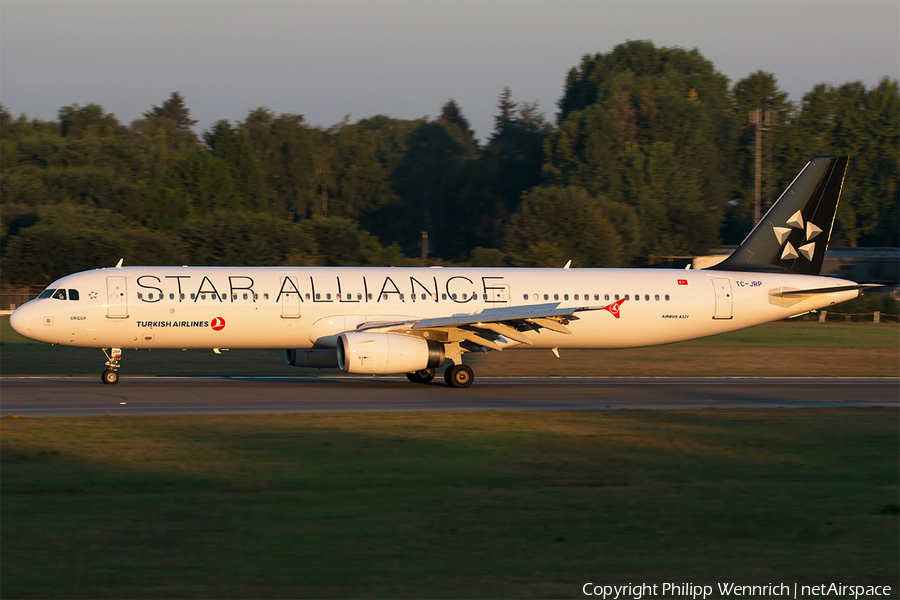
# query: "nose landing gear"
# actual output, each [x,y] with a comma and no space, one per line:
[111,375]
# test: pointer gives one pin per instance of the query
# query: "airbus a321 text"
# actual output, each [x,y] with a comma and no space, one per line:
[414,320]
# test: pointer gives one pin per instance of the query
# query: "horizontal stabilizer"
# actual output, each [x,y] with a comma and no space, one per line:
[782,291]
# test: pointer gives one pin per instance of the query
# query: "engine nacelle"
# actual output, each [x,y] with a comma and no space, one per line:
[311,357]
[361,352]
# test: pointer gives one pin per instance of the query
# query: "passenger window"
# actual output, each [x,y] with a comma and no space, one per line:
[656,297]
[535,297]
[484,297]
[556,296]
[368,296]
[203,296]
[359,296]
[328,296]
[255,296]
[265,296]
[412,297]
[565,297]
[385,297]
[647,297]
[401,296]
[171,296]
[616,296]
[443,296]
[47,293]
[181,296]
[465,296]
[318,296]
[193,297]
[245,295]
[667,297]
[637,297]
[423,296]
[606,297]
[627,297]
[140,296]
[546,297]
[307,295]
[73,294]
[454,296]
[524,296]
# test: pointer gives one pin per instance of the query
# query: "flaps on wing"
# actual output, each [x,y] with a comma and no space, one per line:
[507,315]
[786,291]
[491,328]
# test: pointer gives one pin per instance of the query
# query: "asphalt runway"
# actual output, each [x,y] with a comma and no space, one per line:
[86,396]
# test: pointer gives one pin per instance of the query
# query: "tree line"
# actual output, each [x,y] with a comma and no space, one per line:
[651,152]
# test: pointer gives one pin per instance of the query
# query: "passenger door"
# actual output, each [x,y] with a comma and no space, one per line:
[722,287]
[117,298]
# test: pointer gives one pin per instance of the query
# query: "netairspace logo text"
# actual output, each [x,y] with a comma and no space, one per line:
[725,590]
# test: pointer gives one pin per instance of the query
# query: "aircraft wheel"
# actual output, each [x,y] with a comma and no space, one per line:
[423,376]
[109,377]
[459,376]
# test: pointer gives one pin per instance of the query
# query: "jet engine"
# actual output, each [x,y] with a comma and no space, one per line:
[361,352]
[311,357]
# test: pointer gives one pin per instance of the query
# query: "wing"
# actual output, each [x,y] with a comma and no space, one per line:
[491,328]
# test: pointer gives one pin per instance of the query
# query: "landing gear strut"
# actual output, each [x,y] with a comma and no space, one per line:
[111,375]
[459,376]
[423,376]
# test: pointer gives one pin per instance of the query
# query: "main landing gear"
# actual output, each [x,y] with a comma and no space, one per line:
[423,376]
[458,376]
[111,375]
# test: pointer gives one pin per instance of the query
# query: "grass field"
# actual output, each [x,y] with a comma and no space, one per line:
[505,504]
[794,348]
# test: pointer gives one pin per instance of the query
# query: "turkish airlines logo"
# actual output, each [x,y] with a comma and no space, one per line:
[682,282]
[217,324]
[614,307]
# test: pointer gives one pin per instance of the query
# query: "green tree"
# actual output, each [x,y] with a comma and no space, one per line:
[240,238]
[230,144]
[195,186]
[642,121]
[429,181]
[452,116]
[67,238]
[555,224]
[175,110]
[165,135]
[864,123]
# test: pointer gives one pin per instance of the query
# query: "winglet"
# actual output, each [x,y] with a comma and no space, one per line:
[568,264]
[119,264]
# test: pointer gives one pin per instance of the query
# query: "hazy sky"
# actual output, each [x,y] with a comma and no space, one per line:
[404,59]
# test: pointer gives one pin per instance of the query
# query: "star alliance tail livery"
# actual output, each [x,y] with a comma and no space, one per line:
[414,320]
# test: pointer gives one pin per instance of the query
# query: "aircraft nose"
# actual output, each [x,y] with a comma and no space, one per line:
[20,320]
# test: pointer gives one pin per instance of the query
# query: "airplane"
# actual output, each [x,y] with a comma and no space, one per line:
[370,320]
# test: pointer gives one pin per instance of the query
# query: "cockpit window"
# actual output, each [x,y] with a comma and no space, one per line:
[60,294]
[73,294]
[47,293]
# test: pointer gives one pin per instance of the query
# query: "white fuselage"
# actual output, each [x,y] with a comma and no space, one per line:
[305,307]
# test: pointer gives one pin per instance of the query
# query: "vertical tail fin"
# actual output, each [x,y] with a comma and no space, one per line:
[794,234]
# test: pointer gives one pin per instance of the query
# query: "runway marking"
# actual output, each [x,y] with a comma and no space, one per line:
[485,379]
